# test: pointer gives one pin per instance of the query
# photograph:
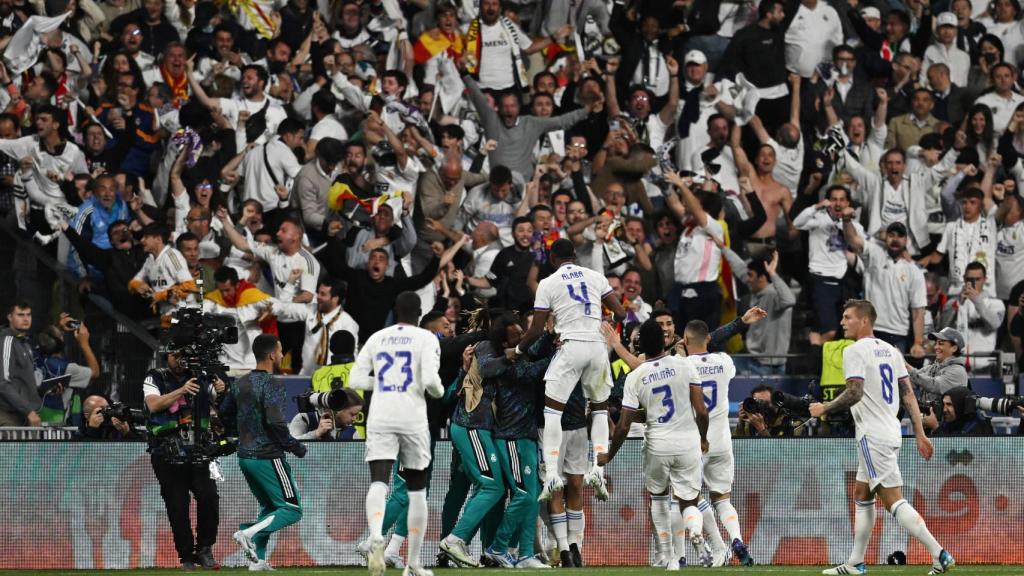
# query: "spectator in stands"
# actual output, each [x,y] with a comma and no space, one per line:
[118,265]
[768,340]
[19,398]
[511,268]
[383,234]
[497,202]
[906,130]
[312,184]
[94,218]
[439,197]
[977,314]
[189,246]
[321,326]
[60,402]
[95,426]
[945,51]
[329,424]
[951,101]
[164,278]
[249,305]
[854,95]
[946,373]
[1002,100]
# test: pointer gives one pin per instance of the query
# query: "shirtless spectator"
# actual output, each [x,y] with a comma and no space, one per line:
[774,196]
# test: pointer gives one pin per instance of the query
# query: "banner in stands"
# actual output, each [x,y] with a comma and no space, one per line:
[97,505]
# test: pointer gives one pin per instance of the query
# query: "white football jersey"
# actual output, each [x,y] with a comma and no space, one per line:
[715,370]
[399,363]
[880,366]
[163,271]
[573,295]
[662,387]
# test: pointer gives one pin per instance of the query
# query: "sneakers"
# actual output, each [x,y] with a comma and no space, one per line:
[375,560]
[720,558]
[500,559]
[659,561]
[944,564]
[416,571]
[188,565]
[441,561]
[363,548]
[577,558]
[245,543]
[740,549]
[595,479]
[260,566]
[393,561]
[565,559]
[204,557]
[846,569]
[551,485]
[457,552]
[673,565]
[704,555]
[531,562]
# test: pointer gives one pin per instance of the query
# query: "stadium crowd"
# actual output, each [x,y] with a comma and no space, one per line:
[304,163]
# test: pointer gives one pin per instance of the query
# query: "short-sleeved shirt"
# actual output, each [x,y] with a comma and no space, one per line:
[281,266]
[661,387]
[697,256]
[1009,259]
[496,70]
[880,366]
[163,271]
[715,370]
[573,296]
[894,287]
[399,363]
[230,107]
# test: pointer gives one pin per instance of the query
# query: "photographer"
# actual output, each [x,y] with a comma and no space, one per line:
[172,396]
[946,373]
[960,415]
[329,424]
[759,416]
[97,426]
[51,363]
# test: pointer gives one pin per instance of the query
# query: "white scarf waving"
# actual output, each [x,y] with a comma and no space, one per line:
[24,48]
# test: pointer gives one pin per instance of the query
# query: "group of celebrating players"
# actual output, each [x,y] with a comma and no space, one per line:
[681,400]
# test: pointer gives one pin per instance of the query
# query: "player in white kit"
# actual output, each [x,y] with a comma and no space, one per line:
[574,296]
[716,371]
[400,364]
[668,390]
[876,382]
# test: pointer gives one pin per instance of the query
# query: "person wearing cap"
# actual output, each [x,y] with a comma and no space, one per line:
[893,283]
[946,373]
[944,51]
[700,100]
[164,277]
[971,238]
[1003,99]
[872,18]
[977,313]
[814,32]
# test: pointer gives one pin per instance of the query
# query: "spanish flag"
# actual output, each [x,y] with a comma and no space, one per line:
[433,42]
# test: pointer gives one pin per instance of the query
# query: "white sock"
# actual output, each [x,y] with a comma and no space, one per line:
[561,530]
[552,440]
[711,526]
[394,545]
[863,524]
[913,523]
[376,500]
[417,525]
[679,544]
[599,433]
[661,517]
[730,519]
[693,520]
[577,524]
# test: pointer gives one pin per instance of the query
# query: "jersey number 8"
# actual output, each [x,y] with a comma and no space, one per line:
[885,371]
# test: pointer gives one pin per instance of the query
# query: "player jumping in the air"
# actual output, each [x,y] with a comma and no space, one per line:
[876,382]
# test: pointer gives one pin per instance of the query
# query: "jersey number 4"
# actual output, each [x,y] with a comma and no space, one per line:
[389,361]
[885,371]
[667,402]
[581,296]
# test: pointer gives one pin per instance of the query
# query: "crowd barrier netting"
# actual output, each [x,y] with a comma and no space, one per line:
[97,505]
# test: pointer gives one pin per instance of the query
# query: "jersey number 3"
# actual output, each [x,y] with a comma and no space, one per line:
[667,402]
[582,297]
[389,361]
[885,371]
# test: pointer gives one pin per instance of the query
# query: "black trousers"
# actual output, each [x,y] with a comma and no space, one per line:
[176,482]
[698,301]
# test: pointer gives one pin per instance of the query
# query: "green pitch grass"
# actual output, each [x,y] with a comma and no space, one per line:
[973,570]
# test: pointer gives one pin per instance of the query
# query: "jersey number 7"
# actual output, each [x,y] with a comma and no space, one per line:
[389,361]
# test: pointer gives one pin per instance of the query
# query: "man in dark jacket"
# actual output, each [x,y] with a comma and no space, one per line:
[960,415]
[19,398]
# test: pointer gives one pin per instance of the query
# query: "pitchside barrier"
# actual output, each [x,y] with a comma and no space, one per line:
[97,505]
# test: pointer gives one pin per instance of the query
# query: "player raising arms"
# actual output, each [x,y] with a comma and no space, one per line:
[874,370]
[669,390]
[573,295]
[400,364]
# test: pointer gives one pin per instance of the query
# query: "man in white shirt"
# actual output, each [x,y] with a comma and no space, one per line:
[698,257]
[269,169]
[876,385]
[321,325]
[718,130]
[977,315]
[500,48]
[164,277]
[400,364]
[46,158]
[1002,100]
[812,34]
[971,238]
[893,283]
[944,51]
[698,101]
[254,99]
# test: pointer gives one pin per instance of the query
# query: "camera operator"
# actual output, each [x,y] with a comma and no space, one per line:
[170,395]
[946,373]
[960,416]
[764,418]
[97,426]
[329,424]
[51,363]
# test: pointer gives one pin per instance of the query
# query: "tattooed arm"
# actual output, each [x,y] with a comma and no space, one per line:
[851,395]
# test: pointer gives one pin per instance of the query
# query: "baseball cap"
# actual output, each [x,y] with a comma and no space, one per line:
[898,228]
[695,57]
[946,19]
[870,12]
[948,334]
